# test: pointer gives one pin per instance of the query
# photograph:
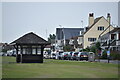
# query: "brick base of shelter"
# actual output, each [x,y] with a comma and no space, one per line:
[29,58]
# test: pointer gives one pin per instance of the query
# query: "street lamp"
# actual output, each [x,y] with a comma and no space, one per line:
[108,52]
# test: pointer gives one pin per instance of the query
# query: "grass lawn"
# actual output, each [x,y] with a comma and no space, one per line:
[58,69]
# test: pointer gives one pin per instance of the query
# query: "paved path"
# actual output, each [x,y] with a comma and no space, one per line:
[111,61]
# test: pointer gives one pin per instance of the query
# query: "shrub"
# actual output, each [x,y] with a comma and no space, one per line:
[93,49]
[115,56]
[104,55]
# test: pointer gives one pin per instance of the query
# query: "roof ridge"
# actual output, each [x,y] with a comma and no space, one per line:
[95,21]
[29,38]
[99,17]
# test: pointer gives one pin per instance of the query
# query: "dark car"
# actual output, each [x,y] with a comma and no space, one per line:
[83,56]
[74,55]
[65,56]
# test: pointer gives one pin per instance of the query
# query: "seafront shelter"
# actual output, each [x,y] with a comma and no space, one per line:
[29,48]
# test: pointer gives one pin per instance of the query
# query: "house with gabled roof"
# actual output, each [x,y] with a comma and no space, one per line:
[95,28]
[113,41]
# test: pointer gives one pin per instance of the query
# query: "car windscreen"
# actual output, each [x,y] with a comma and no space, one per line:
[84,53]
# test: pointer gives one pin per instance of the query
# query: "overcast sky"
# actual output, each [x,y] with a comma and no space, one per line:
[42,18]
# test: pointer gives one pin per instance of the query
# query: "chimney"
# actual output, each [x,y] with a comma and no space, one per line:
[109,18]
[91,19]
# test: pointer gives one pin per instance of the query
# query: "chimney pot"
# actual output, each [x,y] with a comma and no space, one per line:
[108,15]
[108,18]
[91,19]
[91,14]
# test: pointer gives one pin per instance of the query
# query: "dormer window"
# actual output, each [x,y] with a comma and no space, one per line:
[100,28]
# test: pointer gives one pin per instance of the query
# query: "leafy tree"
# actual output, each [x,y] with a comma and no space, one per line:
[68,48]
[93,49]
[97,45]
[51,38]
[88,49]
[4,50]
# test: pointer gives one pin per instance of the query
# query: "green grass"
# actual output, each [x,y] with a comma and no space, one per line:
[58,69]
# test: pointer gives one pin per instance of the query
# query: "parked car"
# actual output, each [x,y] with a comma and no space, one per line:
[74,55]
[83,56]
[70,55]
[4,54]
[9,52]
[45,55]
[53,56]
[14,54]
[65,55]
[59,55]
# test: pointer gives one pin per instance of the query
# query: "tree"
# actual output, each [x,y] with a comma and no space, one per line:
[68,48]
[4,50]
[93,49]
[97,45]
[51,38]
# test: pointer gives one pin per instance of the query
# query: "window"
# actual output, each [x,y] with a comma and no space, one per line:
[80,39]
[113,36]
[92,39]
[101,28]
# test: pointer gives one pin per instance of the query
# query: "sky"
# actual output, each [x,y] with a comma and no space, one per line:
[42,18]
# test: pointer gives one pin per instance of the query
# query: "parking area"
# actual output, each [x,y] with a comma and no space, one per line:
[77,56]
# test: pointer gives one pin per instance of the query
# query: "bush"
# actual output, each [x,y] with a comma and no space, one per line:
[4,50]
[93,49]
[115,56]
[83,50]
[104,55]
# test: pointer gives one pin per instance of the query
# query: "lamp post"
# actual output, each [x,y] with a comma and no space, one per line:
[108,52]
[62,35]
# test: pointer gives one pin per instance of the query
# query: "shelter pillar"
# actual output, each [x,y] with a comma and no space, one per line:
[17,55]
[42,49]
[21,52]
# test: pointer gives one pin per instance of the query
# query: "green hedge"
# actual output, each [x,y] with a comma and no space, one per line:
[104,55]
[113,56]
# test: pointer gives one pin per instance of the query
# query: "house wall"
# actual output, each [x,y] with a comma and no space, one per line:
[80,40]
[94,32]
